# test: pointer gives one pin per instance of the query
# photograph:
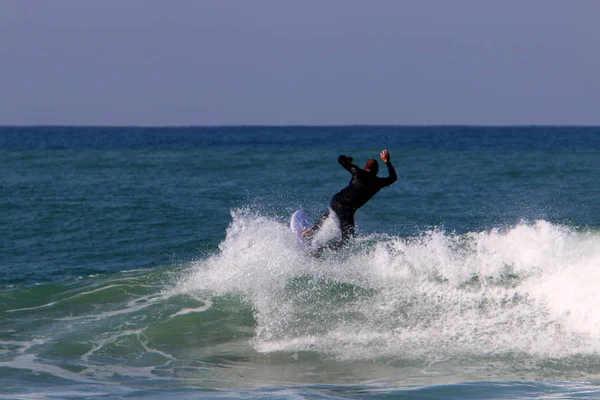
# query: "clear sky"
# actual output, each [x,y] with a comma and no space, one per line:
[308,62]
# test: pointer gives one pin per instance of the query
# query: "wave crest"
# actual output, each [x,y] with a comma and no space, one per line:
[528,289]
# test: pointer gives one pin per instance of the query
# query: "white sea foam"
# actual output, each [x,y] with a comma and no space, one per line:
[530,289]
[186,311]
[30,362]
[53,303]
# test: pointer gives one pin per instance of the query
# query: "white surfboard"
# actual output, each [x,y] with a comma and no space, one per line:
[299,223]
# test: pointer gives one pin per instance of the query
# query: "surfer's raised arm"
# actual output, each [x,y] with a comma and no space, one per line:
[385,157]
[346,162]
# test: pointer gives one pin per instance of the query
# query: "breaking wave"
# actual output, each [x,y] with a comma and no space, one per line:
[530,289]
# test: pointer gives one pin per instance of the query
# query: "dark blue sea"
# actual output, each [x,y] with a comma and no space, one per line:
[158,263]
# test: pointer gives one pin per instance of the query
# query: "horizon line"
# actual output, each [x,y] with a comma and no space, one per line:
[303,126]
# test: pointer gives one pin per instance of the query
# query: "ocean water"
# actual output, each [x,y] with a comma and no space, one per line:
[158,263]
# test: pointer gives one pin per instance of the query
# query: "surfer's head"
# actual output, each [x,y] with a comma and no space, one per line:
[372,166]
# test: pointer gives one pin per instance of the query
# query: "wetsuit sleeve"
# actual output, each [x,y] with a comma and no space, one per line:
[343,160]
[390,179]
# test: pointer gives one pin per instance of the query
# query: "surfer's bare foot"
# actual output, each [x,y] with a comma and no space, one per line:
[306,234]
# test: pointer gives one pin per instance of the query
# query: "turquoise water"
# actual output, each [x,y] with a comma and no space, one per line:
[157,263]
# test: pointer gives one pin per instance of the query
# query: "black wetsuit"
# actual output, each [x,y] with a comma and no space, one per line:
[363,185]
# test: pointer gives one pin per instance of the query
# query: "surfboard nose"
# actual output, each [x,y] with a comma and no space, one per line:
[300,221]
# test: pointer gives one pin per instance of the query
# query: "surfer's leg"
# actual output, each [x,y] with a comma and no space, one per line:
[346,219]
[347,227]
[345,215]
[312,231]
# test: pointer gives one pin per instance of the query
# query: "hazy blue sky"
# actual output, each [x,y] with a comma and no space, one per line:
[215,62]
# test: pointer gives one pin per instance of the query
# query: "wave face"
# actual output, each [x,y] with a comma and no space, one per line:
[528,290]
[513,304]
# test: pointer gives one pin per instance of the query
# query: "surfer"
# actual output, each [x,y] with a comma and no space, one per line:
[363,185]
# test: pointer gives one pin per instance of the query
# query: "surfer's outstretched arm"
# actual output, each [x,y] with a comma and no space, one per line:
[385,157]
[346,162]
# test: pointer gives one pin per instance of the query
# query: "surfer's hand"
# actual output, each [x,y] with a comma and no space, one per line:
[385,156]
